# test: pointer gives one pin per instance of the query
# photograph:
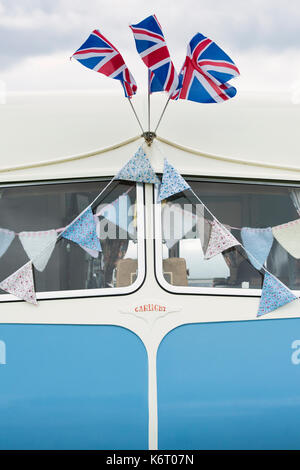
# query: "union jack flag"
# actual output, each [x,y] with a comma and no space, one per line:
[98,54]
[205,73]
[152,47]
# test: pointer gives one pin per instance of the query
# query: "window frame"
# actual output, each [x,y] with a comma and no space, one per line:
[158,245]
[100,292]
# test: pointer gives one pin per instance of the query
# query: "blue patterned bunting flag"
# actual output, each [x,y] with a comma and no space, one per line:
[138,169]
[172,182]
[83,231]
[274,295]
[6,237]
[258,241]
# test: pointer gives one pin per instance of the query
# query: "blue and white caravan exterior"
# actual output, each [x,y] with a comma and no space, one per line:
[148,345]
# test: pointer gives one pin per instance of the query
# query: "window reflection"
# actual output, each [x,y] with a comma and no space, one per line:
[235,205]
[46,206]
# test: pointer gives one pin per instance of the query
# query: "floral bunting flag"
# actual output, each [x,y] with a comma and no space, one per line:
[138,169]
[172,182]
[83,231]
[258,242]
[288,235]
[274,295]
[21,284]
[6,237]
[39,246]
[220,240]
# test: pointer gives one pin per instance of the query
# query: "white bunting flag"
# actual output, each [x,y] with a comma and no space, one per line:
[21,284]
[39,246]
[288,237]
[220,240]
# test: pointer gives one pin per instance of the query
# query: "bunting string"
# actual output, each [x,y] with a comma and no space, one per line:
[250,255]
[272,286]
[15,283]
[83,231]
[61,229]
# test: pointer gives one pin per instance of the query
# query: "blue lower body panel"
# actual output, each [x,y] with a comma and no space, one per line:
[230,386]
[72,387]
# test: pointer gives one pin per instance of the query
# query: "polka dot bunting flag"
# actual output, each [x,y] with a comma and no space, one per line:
[21,284]
[172,182]
[220,240]
[83,231]
[138,169]
[274,295]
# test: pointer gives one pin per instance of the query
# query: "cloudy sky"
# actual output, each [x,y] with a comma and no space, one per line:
[38,37]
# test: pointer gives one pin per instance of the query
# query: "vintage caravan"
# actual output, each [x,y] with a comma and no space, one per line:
[148,345]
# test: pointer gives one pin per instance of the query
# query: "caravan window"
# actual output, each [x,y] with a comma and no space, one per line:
[72,271]
[181,266]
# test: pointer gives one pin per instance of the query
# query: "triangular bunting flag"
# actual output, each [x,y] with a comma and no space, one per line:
[274,295]
[258,242]
[83,231]
[93,253]
[172,182]
[220,240]
[138,169]
[39,246]
[6,237]
[21,284]
[288,237]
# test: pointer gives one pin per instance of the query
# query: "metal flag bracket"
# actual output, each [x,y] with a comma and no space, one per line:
[149,137]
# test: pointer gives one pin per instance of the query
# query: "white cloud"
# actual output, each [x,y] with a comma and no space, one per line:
[261,36]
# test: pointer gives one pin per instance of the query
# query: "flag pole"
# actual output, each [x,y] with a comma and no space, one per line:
[135,113]
[163,112]
[148,100]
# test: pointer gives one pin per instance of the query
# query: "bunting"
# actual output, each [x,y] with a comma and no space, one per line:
[94,253]
[138,169]
[83,231]
[288,235]
[6,237]
[274,295]
[172,182]
[21,284]
[220,240]
[39,246]
[258,242]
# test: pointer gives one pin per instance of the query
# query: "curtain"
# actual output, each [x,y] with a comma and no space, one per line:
[295,197]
